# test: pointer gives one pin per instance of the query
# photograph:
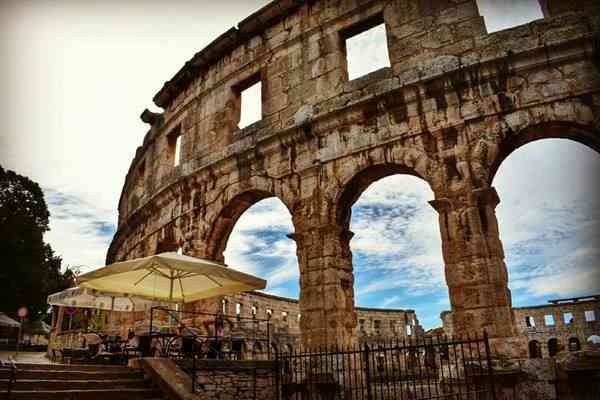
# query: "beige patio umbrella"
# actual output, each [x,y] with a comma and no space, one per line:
[82,297]
[170,277]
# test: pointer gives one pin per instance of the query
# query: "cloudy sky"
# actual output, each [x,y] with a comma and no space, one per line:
[76,75]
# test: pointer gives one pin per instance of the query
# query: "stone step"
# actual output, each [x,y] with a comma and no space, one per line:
[46,384]
[96,394]
[73,367]
[73,375]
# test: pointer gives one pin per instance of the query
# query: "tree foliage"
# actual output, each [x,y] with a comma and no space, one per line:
[29,269]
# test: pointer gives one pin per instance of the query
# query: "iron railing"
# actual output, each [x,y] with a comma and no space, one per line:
[420,369]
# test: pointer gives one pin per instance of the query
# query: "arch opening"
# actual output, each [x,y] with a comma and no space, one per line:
[256,241]
[552,347]
[361,181]
[535,350]
[549,216]
[396,248]
[228,218]
[549,130]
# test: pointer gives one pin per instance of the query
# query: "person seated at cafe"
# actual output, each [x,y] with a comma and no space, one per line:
[133,341]
[218,332]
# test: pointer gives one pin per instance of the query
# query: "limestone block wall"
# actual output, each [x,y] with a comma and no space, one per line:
[561,330]
[284,317]
[236,380]
[454,103]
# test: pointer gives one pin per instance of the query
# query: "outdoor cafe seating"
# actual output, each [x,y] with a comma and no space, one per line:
[121,295]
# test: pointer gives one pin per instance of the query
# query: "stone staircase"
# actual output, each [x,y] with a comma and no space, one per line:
[77,382]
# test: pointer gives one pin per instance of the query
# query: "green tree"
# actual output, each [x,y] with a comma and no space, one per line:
[29,269]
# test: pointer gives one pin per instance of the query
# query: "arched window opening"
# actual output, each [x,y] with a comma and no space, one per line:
[535,350]
[396,247]
[549,219]
[259,245]
[225,306]
[552,347]
[574,344]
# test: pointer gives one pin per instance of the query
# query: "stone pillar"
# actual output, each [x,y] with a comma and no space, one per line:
[474,264]
[326,285]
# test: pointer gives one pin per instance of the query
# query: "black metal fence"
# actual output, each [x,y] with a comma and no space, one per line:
[425,368]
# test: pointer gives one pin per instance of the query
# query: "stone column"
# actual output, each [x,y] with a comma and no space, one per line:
[326,285]
[474,263]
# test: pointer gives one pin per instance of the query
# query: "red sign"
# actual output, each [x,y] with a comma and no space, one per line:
[22,312]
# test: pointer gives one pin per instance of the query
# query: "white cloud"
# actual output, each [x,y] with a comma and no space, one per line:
[79,232]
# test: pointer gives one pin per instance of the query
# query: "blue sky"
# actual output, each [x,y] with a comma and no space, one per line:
[76,76]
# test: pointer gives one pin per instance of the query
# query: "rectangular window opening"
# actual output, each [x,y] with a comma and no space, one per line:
[500,15]
[530,322]
[549,320]
[250,92]
[174,141]
[590,315]
[568,318]
[366,47]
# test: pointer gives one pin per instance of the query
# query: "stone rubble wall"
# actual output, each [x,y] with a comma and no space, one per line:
[236,380]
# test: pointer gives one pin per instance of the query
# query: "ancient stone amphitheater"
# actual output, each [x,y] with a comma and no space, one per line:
[455,102]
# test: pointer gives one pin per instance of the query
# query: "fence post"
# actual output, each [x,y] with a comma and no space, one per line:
[368,372]
[489,364]
[194,372]
[277,384]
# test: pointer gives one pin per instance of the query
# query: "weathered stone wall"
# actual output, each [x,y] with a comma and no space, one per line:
[377,324]
[454,103]
[542,332]
[238,380]
[579,328]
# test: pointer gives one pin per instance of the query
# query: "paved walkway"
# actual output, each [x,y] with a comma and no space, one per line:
[26,357]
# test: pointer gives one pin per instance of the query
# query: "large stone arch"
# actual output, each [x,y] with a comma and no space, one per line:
[354,186]
[228,207]
[581,133]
